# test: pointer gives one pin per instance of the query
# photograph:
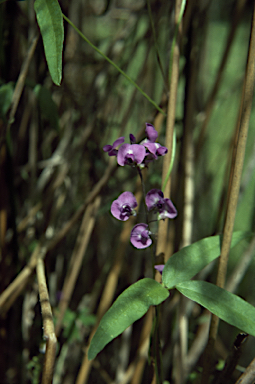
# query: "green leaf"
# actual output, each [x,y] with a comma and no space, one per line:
[130,306]
[224,304]
[50,21]
[190,260]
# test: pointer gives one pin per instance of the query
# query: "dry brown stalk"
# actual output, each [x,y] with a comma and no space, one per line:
[82,241]
[14,289]
[163,224]
[48,326]
[248,376]
[245,110]
[108,293]
[8,297]
[21,81]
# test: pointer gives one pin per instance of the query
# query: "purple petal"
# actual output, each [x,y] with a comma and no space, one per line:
[131,154]
[161,151]
[159,267]
[132,139]
[153,197]
[119,141]
[107,148]
[151,133]
[123,207]
[128,198]
[152,148]
[111,148]
[168,210]
[140,236]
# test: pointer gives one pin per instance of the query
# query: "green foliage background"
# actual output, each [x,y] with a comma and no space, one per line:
[51,159]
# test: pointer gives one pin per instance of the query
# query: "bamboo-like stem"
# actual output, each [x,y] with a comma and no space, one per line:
[188,190]
[14,289]
[235,180]
[10,294]
[48,326]
[82,241]
[108,293]
[163,225]
[248,376]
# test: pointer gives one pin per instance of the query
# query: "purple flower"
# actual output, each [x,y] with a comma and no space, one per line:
[124,206]
[111,149]
[151,133]
[156,149]
[132,139]
[153,149]
[131,154]
[155,201]
[159,267]
[140,236]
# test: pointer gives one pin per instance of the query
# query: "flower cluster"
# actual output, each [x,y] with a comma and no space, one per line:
[139,155]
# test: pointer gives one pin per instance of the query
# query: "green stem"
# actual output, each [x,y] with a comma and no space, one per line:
[115,66]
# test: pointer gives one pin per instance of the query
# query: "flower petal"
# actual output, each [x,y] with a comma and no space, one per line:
[119,141]
[168,210]
[153,197]
[131,154]
[159,267]
[140,236]
[123,207]
[151,133]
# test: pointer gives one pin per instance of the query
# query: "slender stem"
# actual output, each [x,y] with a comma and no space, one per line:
[48,326]
[156,45]
[234,182]
[174,70]
[115,66]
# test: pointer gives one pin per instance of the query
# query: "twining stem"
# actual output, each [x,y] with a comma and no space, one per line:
[48,326]
[115,66]
[235,180]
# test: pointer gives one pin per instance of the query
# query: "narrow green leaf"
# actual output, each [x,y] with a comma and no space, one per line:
[130,306]
[190,260]
[115,66]
[224,304]
[50,21]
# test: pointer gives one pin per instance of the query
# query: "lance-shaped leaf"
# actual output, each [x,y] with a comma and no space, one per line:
[190,260]
[130,306]
[224,304]
[50,21]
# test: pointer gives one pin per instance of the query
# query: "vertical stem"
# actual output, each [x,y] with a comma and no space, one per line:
[163,225]
[237,166]
[48,326]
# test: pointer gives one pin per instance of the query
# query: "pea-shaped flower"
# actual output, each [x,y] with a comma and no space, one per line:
[164,207]
[123,207]
[131,154]
[111,149]
[140,236]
